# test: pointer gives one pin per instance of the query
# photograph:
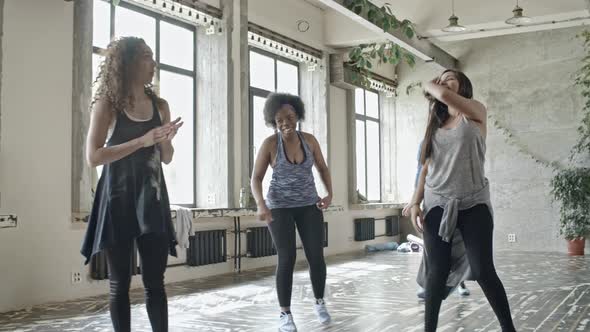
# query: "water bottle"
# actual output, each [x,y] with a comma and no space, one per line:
[243,198]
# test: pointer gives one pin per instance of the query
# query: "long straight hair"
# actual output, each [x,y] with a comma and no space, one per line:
[439,113]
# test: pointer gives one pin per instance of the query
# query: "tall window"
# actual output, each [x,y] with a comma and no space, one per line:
[173,44]
[268,73]
[368,146]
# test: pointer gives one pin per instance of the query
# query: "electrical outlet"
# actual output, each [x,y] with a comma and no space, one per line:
[511,237]
[76,277]
[211,198]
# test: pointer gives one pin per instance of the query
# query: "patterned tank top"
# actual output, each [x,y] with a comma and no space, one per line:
[292,185]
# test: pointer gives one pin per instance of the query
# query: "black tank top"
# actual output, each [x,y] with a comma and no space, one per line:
[131,198]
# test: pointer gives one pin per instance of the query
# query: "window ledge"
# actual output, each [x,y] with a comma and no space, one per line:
[81,217]
[376,206]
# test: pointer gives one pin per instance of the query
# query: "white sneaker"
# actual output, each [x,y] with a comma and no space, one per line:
[287,324]
[322,312]
[463,291]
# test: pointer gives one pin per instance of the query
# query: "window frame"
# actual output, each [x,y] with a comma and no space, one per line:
[259,92]
[364,118]
[161,66]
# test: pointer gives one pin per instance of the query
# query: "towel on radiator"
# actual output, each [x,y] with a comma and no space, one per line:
[183,226]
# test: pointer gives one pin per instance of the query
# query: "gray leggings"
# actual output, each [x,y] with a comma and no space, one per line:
[309,221]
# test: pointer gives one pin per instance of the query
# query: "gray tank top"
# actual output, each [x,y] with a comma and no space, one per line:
[456,166]
[456,177]
[292,185]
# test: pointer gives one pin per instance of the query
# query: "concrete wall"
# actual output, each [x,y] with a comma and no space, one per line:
[38,256]
[526,82]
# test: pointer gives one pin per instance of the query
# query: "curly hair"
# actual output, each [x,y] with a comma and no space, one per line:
[116,74]
[275,101]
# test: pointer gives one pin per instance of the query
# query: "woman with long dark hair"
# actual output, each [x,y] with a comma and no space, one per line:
[131,200]
[456,194]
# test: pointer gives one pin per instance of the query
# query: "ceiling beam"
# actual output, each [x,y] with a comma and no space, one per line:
[422,49]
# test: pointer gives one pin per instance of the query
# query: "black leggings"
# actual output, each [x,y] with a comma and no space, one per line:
[153,251]
[310,225]
[476,226]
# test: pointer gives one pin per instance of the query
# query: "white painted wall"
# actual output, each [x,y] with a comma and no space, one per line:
[39,255]
[36,133]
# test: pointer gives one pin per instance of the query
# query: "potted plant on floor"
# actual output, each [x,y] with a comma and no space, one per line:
[571,185]
[572,188]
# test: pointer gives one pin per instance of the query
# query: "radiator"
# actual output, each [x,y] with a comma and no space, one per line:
[207,247]
[364,229]
[392,226]
[259,241]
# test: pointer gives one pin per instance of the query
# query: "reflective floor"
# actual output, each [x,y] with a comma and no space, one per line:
[372,292]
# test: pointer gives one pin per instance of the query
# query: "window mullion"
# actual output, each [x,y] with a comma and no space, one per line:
[194,115]
[366,154]
[276,75]
[112,22]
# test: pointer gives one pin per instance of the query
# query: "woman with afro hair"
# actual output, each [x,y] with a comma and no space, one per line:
[292,200]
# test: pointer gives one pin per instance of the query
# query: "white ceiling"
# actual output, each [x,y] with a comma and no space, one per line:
[431,15]
[483,18]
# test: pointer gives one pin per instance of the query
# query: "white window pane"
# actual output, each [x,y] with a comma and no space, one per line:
[98,172]
[262,71]
[178,91]
[372,104]
[130,23]
[373,162]
[176,46]
[287,78]
[260,132]
[96,61]
[359,101]
[360,157]
[101,24]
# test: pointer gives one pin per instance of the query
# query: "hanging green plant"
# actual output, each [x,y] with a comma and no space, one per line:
[362,57]
[583,81]
[571,186]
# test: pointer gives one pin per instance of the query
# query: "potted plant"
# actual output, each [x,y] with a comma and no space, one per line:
[571,185]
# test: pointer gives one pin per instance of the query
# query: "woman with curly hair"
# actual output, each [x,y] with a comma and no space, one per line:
[131,201]
[292,200]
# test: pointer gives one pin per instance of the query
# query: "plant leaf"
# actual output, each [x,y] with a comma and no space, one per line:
[409,32]
[371,15]
[410,59]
